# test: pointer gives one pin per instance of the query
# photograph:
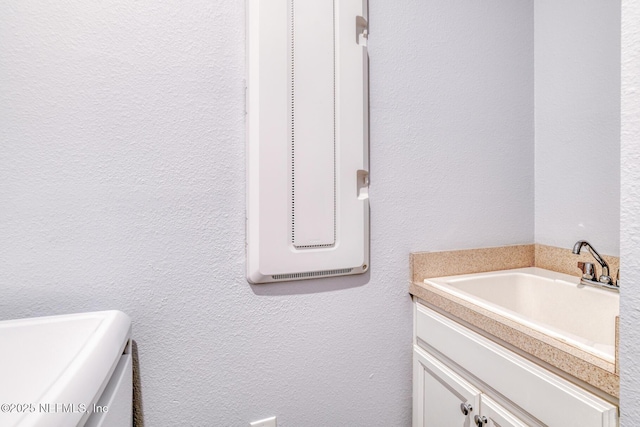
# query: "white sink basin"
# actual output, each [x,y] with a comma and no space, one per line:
[63,360]
[552,303]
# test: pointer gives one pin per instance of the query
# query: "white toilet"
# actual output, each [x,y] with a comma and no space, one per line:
[70,370]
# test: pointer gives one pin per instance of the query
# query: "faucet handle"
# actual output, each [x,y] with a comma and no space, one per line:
[588,270]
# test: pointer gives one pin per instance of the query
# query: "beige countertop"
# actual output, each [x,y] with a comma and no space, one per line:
[546,350]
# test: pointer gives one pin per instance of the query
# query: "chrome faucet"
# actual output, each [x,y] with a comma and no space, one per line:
[588,272]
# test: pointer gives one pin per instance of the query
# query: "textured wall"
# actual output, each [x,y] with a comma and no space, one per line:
[122,186]
[577,110]
[630,216]
[453,119]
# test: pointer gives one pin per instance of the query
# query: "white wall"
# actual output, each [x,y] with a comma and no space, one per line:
[630,216]
[453,118]
[577,130]
[122,186]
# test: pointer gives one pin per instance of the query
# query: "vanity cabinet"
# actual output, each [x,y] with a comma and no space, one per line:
[461,378]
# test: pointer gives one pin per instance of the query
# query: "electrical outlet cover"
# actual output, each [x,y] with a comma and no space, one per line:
[267,422]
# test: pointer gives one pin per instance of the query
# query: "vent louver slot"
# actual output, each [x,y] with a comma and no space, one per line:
[311,274]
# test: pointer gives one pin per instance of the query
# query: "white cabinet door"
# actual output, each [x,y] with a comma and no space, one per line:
[496,416]
[439,394]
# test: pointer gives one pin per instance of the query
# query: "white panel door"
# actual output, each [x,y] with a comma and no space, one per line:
[439,394]
[307,139]
[496,416]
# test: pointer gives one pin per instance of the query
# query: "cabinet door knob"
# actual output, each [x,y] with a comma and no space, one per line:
[480,420]
[466,408]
